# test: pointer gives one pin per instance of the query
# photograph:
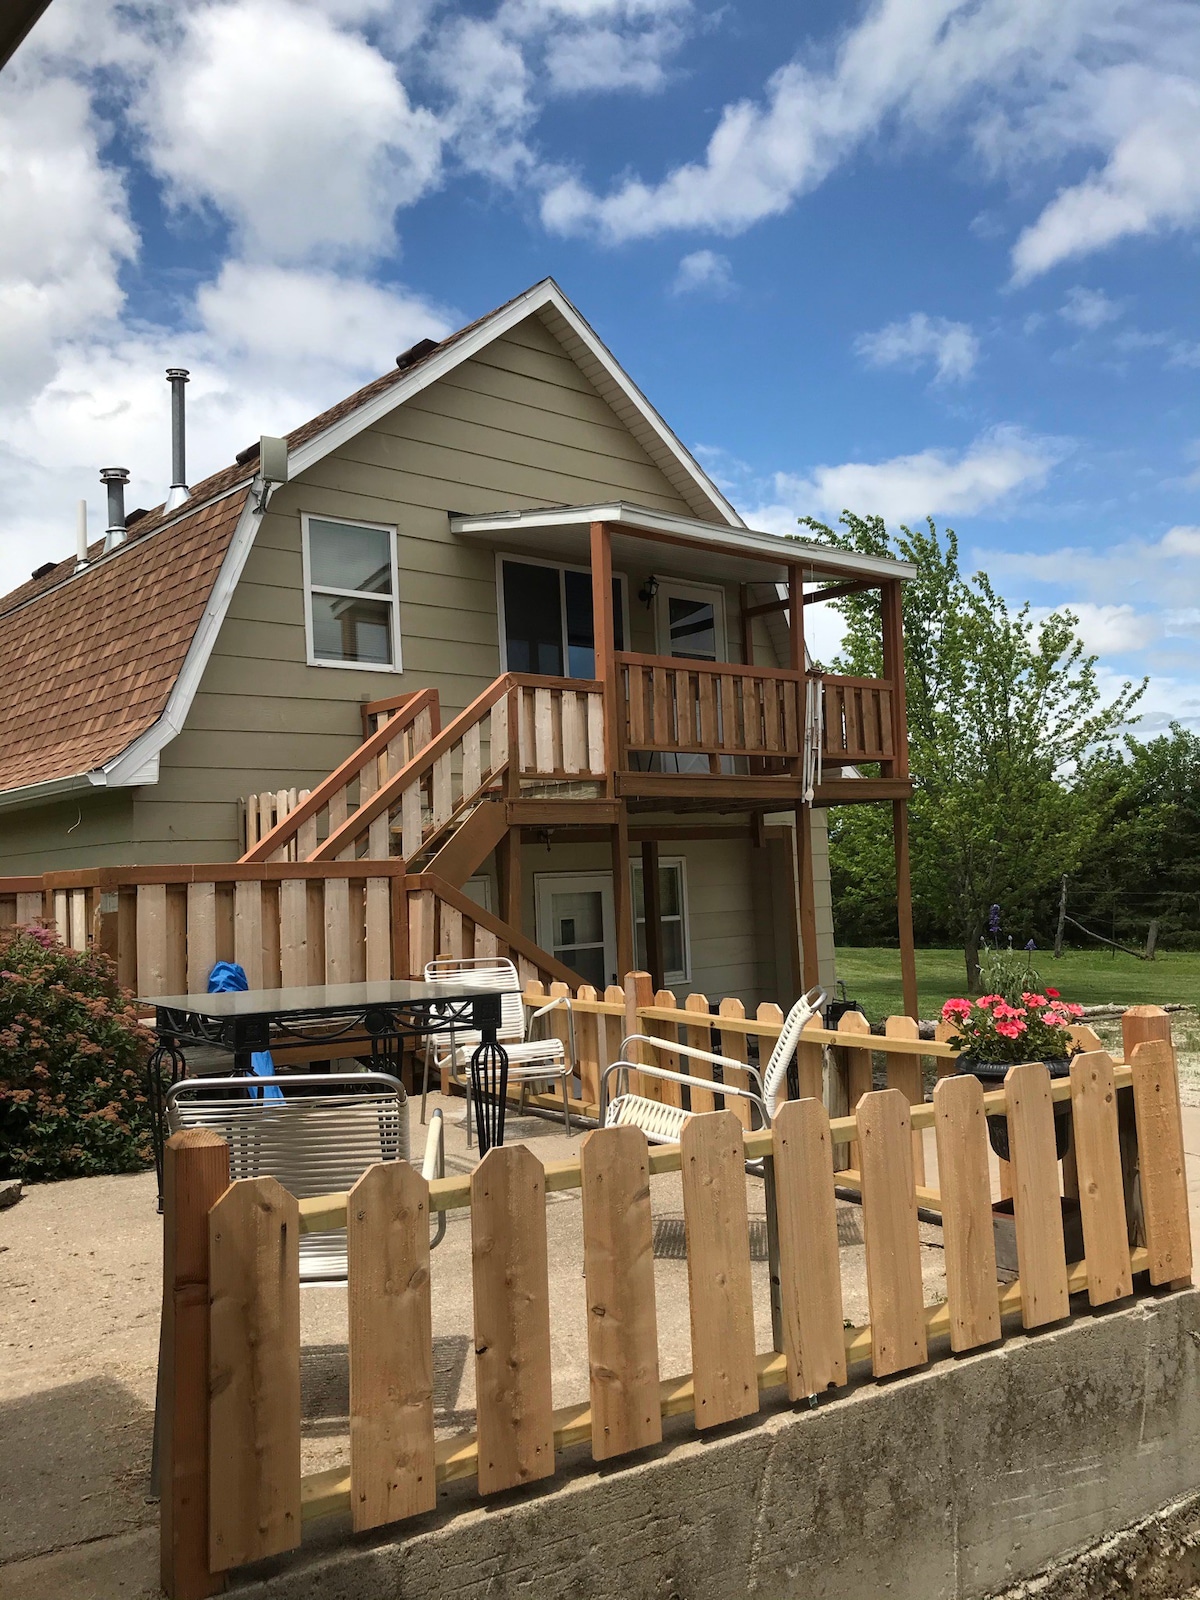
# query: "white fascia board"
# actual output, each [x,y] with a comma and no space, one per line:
[32,794]
[747,541]
[543,296]
[138,763]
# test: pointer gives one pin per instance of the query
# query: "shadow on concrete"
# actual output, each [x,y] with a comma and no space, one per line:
[74,1466]
[325,1387]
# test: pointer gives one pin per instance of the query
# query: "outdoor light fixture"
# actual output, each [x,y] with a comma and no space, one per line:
[648,590]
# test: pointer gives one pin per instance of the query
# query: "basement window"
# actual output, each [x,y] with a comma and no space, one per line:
[351,614]
[673,919]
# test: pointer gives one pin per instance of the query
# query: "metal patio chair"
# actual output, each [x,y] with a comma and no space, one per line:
[319,1139]
[529,1060]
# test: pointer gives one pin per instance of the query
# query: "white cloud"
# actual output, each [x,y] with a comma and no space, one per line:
[951,346]
[1027,84]
[1108,629]
[1181,541]
[66,231]
[991,470]
[1088,308]
[704,272]
[297,131]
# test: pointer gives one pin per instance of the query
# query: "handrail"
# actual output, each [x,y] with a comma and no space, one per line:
[851,682]
[370,749]
[421,763]
[733,669]
[512,937]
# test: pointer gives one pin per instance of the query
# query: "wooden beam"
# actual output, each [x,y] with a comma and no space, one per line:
[809,965]
[892,615]
[652,904]
[605,666]
[508,862]
[622,897]
[908,956]
[839,591]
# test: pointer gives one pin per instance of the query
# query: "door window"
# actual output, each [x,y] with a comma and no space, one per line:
[691,621]
[575,922]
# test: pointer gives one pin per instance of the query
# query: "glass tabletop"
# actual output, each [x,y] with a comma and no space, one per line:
[316,997]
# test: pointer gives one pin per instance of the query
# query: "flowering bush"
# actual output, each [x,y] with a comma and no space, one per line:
[72,1063]
[990,1029]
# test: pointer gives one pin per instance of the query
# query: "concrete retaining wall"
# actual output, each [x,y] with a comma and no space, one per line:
[956,1482]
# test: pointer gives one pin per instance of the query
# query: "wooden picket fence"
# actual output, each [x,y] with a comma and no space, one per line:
[232,1485]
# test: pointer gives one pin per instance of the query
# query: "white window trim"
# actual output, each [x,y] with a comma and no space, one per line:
[560,567]
[396,665]
[685,920]
[686,589]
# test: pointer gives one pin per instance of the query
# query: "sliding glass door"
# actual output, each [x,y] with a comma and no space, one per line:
[546,618]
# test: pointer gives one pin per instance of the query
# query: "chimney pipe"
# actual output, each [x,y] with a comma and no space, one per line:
[81,538]
[179,491]
[115,479]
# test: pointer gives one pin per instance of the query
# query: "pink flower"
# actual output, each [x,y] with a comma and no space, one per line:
[1075,1011]
[956,1008]
[1053,1020]
[1034,999]
[986,1001]
[1011,1030]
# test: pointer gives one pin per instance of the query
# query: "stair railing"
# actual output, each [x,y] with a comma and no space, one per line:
[404,726]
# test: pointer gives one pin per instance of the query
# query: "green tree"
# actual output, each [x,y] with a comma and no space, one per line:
[1007,728]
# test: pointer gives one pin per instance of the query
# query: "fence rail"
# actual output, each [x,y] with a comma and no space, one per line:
[1125,1166]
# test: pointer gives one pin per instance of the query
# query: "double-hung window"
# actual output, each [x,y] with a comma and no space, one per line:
[547,618]
[350,594]
[673,918]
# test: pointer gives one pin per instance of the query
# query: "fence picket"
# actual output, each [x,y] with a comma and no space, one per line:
[1041,1253]
[392,1468]
[965,1183]
[858,1076]
[734,1045]
[699,1036]
[1100,1190]
[1163,1173]
[618,1265]
[672,1093]
[254,1373]
[810,1065]
[809,1265]
[510,1274]
[587,1048]
[717,1226]
[893,1248]
[201,935]
[904,1073]
[248,930]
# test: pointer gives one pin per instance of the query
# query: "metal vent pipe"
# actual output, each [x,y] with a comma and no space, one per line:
[115,479]
[179,491]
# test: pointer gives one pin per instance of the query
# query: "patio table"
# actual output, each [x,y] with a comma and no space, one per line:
[379,1015]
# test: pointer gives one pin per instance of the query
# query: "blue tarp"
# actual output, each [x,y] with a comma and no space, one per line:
[227,977]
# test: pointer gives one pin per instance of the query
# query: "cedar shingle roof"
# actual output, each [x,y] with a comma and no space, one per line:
[88,667]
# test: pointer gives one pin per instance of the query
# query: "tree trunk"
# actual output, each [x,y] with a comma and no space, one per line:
[971,955]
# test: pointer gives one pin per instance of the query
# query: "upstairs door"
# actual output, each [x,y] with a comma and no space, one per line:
[546,618]
[690,622]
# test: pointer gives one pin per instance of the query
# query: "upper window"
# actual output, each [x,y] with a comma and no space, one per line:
[547,618]
[351,614]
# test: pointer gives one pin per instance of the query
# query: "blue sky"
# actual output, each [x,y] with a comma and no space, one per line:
[911,257]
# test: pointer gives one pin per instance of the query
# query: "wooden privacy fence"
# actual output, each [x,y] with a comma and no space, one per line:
[233,1490]
[287,923]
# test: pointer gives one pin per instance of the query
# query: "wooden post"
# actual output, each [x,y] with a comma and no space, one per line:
[652,907]
[892,617]
[810,966]
[603,643]
[508,861]
[908,955]
[195,1175]
[622,897]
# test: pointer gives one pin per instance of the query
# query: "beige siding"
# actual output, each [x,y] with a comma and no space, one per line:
[92,829]
[518,425]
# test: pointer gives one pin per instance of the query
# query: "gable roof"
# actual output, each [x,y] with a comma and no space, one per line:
[99,666]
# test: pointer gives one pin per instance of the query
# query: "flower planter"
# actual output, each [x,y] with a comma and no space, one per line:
[991,1075]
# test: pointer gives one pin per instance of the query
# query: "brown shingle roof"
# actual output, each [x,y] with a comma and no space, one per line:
[86,665]
[89,667]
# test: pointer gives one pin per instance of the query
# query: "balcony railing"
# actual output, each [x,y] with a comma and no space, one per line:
[858,721]
[711,708]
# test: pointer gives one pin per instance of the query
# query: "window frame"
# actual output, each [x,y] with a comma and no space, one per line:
[560,567]
[392,600]
[685,920]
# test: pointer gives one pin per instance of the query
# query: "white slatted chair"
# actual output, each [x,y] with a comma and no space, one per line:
[663,1124]
[319,1139]
[529,1060]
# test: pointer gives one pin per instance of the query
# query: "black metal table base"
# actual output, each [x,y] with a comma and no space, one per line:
[489,1091]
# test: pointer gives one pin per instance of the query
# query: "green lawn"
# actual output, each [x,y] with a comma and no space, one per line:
[1084,976]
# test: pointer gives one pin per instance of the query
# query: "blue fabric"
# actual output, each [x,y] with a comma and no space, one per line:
[227,977]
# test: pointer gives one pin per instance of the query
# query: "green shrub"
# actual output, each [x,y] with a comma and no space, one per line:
[72,1063]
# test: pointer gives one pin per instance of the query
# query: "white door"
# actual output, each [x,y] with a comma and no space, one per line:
[575,922]
[690,620]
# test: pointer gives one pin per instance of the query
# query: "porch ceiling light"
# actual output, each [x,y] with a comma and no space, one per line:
[648,590]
